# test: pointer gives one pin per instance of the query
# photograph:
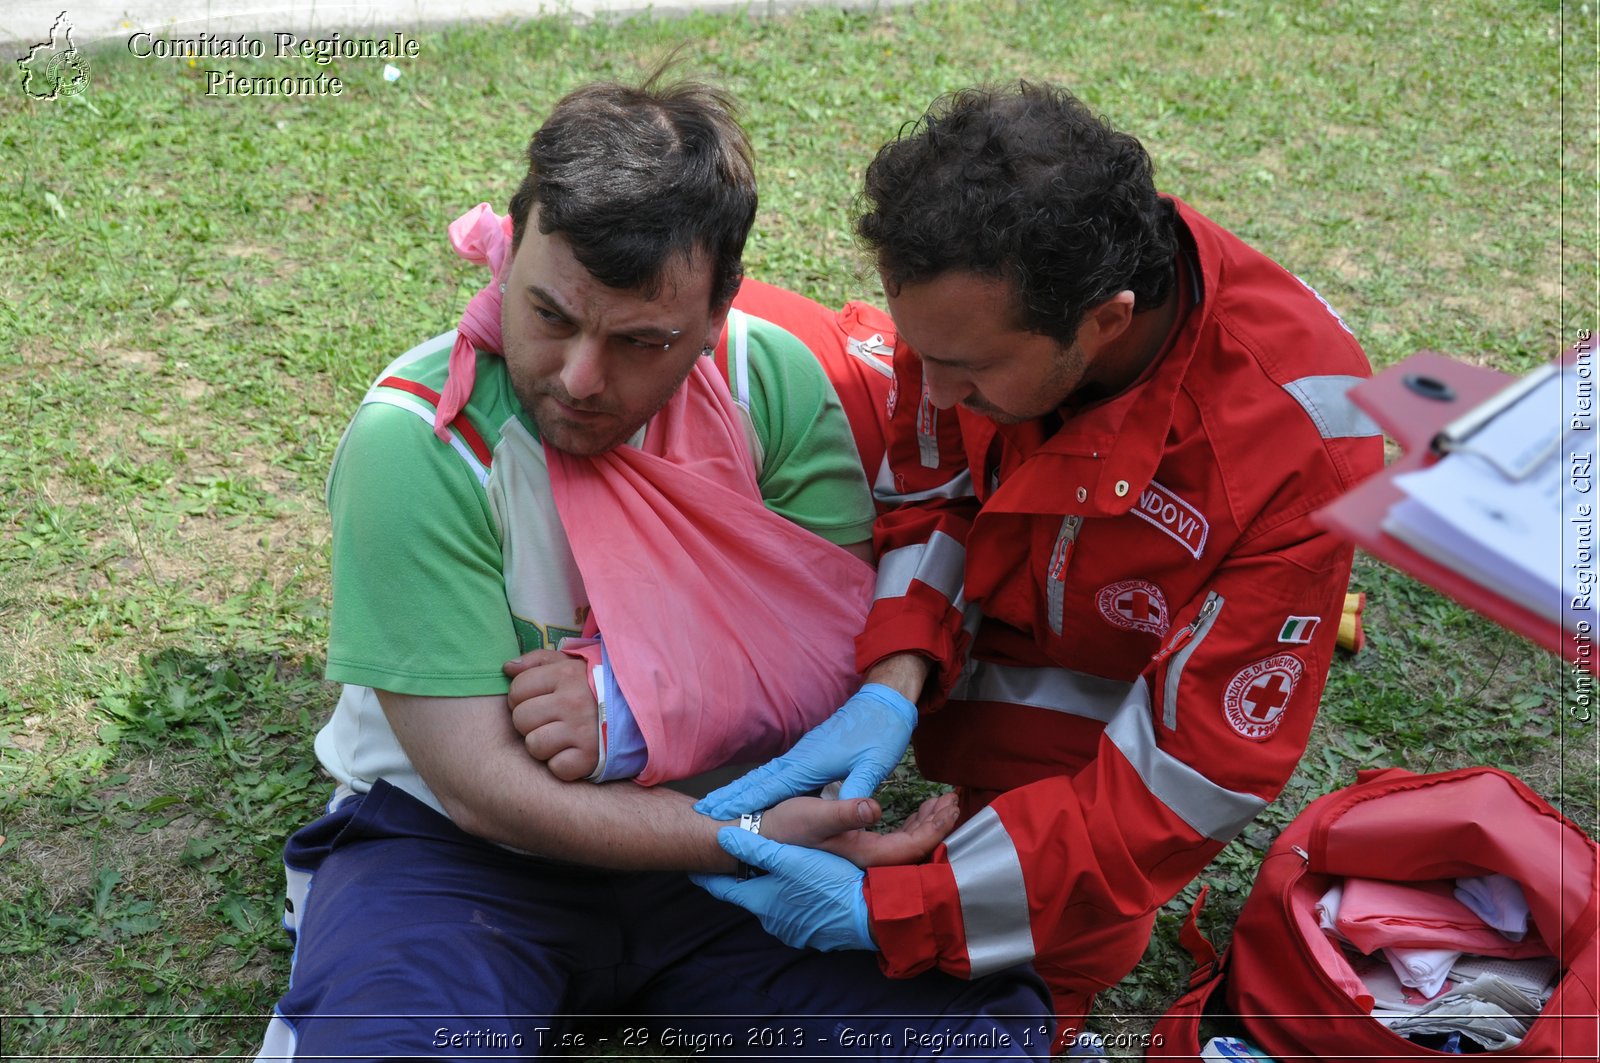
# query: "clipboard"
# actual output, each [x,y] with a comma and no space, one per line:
[1429,404]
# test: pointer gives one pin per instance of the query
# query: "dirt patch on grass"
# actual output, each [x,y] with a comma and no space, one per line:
[1342,262]
[37,353]
[271,264]
[210,559]
[272,254]
[59,864]
[112,833]
[136,359]
[1508,304]
[109,883]
[1568,779]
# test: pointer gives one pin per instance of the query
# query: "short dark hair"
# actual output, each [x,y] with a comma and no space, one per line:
[631,177]
[1024,184]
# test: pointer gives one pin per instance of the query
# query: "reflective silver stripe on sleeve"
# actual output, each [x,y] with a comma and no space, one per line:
[1055,689]
[1327,402]
[1213,811]
[883,488]
[1208,617]
[941,563]
[994,898]
[971,618]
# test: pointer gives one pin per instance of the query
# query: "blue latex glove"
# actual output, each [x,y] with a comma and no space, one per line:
[860,743]
[807,899]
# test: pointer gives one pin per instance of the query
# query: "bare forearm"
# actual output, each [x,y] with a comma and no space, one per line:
[902,672]
[616,825]
[475,763]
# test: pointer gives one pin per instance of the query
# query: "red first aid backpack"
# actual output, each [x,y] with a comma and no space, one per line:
[1402,827]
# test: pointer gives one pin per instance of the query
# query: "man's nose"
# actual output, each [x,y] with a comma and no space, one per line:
[583,369]
[945,387]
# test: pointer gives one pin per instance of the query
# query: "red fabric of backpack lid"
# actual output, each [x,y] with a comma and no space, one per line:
[1406,828]
[1463,824]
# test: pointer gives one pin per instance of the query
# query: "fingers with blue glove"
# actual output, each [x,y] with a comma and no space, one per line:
[807,899]
[838,827]
[860,743]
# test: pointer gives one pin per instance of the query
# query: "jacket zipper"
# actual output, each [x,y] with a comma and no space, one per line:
[1186,640]
[1056,573]
[1207,609]
[927,431]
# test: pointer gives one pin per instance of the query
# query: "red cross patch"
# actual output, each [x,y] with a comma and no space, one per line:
[1134,604]
[1254,700]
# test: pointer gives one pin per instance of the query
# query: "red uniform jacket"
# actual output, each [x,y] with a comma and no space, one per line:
[855,345]
[1130,615]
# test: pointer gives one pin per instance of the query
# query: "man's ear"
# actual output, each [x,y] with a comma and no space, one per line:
[719,321]
[1105,322]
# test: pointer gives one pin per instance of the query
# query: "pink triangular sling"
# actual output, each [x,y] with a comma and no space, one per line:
[730,630]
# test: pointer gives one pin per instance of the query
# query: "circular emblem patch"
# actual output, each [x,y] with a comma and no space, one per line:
[1134,604]
[1255,698]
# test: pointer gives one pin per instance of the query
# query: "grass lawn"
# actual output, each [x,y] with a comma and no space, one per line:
[194,292]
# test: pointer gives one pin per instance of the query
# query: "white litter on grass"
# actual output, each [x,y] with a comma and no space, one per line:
[391,73]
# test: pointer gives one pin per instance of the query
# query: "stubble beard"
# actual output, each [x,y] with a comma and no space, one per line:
[555,431]
[1066,375]
[578,440]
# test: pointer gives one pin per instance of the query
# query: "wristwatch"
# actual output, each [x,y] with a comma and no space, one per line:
[750,821]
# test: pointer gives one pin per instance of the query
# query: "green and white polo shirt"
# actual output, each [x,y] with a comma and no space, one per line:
[449,558]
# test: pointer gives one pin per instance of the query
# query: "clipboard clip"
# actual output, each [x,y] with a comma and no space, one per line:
[1457,436]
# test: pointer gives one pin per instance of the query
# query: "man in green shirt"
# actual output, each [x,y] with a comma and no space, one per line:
[458,894]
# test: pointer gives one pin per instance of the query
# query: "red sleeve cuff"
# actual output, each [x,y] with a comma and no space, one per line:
[905,923]
[903,625]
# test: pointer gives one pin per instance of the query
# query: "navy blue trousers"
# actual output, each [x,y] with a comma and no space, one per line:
[415,940]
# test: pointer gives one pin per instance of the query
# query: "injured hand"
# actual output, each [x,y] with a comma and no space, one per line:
[840,828]
[554,709]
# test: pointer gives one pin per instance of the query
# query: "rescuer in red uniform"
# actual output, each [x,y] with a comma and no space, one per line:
[1103,612]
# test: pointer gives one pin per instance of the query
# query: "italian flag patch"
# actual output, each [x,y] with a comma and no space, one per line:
[1298,629]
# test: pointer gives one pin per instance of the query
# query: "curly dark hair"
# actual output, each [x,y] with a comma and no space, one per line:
[633,176]
[1024,184]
